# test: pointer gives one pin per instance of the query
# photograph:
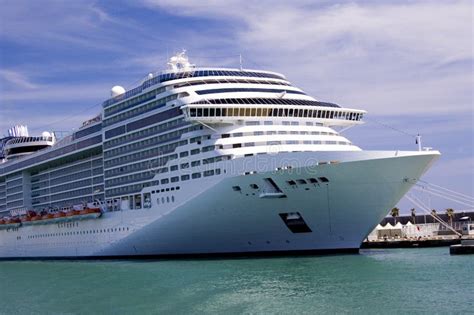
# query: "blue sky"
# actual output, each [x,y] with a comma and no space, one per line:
[408,63]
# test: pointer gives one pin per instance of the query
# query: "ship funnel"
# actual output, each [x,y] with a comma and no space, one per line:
[18,131]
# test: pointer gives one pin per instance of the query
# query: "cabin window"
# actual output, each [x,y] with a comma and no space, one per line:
[208,173]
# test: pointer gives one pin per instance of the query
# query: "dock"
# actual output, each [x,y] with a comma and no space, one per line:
[465,247]
[409,243]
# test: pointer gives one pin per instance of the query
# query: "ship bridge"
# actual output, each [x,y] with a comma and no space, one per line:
[234,110]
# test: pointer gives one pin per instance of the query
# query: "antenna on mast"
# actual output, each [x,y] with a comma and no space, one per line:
[240,62]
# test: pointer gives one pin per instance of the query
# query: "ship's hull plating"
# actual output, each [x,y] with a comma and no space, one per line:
[215,219]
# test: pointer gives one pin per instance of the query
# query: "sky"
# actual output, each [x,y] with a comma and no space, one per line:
[408,63]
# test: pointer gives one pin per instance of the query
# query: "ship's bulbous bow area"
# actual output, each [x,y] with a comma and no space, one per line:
[311,208]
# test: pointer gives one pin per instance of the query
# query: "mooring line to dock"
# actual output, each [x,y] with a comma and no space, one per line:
[444,196]
[420,204]
[448,190]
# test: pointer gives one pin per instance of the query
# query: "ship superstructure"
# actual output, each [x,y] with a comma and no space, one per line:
[201,161]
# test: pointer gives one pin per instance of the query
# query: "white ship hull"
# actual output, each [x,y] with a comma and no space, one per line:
[209,217]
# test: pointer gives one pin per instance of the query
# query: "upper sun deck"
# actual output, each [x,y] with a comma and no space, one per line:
[194,73]
[180,68]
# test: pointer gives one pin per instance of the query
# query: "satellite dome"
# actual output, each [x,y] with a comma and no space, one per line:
[45,134]
[117,90]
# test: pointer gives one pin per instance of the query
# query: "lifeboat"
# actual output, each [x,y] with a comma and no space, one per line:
[47,216]
[36,219]
[7,223]
[89,213]
[72,213]
[25,219]
[59,215]
[89,210]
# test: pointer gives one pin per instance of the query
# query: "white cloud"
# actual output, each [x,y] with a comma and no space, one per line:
[64,119]
[58,92]
[387,57]
[61,24]
[17,79]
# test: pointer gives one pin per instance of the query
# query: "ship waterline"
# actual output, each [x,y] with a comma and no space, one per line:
[201,162]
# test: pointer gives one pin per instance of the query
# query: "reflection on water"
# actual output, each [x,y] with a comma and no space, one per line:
[405,280]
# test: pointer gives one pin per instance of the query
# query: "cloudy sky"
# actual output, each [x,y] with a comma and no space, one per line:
[408,63]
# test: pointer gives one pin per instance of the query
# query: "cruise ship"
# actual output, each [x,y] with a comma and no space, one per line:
[199,162]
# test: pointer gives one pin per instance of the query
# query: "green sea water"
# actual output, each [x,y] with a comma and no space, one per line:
[374,282]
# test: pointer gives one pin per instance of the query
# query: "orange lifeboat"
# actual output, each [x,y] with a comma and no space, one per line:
[47,216]
[72,212]
[14,220]
[10,223]
[36,218]
[89,213]
[90,210]
[25,219]
[59,214]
